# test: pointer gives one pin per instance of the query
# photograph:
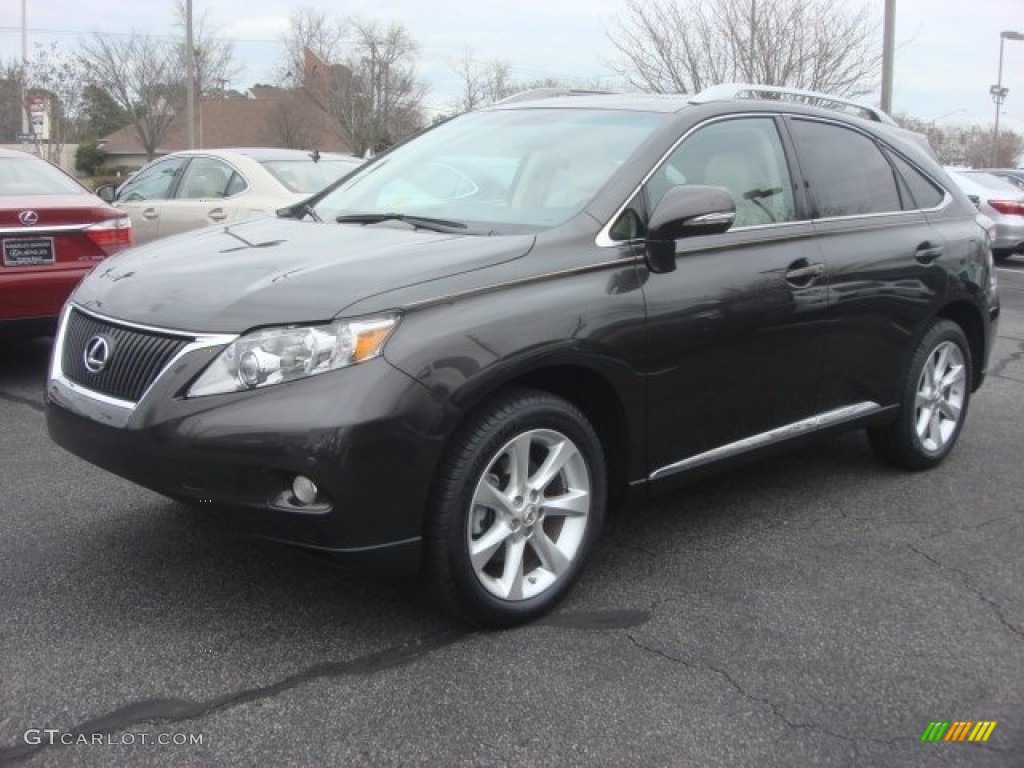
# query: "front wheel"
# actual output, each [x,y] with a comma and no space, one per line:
[518,503]
[936,395]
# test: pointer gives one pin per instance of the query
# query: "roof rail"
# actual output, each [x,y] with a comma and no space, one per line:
[548,93]
[812,98]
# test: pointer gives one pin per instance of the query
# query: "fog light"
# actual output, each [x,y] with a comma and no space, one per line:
[304,490]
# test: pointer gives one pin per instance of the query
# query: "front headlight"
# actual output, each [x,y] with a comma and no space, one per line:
[274,355]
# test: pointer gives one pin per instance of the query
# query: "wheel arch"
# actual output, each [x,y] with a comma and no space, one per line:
[968,317]
[594,394]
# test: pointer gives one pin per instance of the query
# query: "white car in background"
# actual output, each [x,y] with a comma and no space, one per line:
[194,188]
[1001,202]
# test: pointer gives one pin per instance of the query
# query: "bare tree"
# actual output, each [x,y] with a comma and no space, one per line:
[683,46]
[310,29]
[482,82]
[11,108]
[487,82]
[979,151]
[474,82]
[966,145]
[59,80]
[376,96]
[144,75]
[214,55]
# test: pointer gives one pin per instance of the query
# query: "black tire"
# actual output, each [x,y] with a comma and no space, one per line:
[926,430]
[475,497]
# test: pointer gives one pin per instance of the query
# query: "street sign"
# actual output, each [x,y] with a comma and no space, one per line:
[26,137]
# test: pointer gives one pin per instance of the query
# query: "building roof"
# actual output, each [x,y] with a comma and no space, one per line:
[272,117]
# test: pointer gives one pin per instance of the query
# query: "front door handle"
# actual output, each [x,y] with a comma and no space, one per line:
[217,214]
[802,273]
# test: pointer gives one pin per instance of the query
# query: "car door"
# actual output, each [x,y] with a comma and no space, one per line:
[736,331]
[883,257]
[143,196]
[202,197]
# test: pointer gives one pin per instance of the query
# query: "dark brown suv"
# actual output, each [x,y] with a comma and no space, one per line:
[459,356]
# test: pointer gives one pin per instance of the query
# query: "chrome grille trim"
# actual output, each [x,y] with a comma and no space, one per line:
[97,405]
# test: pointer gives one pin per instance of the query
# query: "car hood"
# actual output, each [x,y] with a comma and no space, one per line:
[279,271]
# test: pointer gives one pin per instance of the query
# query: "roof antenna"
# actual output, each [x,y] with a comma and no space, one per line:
[315,154]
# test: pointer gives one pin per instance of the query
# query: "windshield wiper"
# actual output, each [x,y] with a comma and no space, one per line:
[420,222]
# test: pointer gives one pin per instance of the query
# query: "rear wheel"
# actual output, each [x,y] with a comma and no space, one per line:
[518,504]
[936,395]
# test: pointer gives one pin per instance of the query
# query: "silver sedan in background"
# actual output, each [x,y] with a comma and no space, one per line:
[1002,202]
[194,188]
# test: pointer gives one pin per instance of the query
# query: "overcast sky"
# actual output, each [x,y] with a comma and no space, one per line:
[947,50]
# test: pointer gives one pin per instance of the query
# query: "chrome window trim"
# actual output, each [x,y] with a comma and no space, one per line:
[777,435]
[604,239]
[104,408]
[946,197]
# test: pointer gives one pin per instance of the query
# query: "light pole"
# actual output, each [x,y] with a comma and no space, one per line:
[25,125]
[998,92]
[190,74]
[888,52]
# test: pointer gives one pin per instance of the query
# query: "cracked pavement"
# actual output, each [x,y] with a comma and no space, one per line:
[817,609]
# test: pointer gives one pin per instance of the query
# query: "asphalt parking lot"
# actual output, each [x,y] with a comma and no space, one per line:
[814,610]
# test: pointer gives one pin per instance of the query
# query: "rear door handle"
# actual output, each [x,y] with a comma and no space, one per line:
[927,252]
[217,214]
[802,273]
[150,213]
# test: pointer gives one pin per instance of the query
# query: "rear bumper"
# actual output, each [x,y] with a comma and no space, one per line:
[1009,234]
[36,295]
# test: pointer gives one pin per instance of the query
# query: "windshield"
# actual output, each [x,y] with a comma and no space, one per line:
[498,171]
[305,176]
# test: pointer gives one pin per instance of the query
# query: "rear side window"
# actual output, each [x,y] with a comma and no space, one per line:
[206,178]
[846,172]
[923,191]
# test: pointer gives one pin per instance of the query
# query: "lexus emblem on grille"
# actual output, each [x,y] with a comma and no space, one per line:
[97,354]
[28,218]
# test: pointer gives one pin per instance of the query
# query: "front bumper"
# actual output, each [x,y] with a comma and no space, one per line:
[369,436]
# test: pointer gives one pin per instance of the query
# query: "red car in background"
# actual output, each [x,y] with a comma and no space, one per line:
[52,232]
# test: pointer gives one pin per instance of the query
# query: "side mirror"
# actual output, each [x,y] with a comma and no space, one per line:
[686,211]
[106,192]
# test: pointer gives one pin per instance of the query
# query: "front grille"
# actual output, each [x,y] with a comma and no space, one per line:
[136,357]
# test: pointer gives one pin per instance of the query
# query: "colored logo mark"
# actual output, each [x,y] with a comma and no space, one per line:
[959,730]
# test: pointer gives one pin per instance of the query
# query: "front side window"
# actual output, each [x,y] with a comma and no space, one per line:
[846,172]
[745,156]
[153,183]
[498,170]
